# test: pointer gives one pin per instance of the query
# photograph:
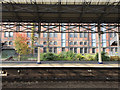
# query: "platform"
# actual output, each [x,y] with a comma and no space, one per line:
[106,64]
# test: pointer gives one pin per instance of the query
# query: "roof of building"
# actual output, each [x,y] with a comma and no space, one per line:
[85,11]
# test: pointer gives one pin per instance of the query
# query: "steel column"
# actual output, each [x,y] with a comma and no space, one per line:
[39,30]
[1,46]
[99,45]
[118,42]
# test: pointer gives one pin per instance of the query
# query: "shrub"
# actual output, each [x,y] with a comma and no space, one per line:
[70,55]
[8,53]
[103,55]
[79,56]
[49,56]
[114,58]
[61,56]
[89,57]
[42,56]
[24,57]
[65,56]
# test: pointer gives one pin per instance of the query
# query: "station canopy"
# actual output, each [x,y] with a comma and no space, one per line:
[73,11]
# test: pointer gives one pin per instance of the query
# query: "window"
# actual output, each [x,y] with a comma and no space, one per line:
[28,43]
[81,43]
[75,50]
[36,43]
[85,35]
[44,34]
[71,34]
[63,49]
[115,49]
[93,39]
[81,50]
[28,34]
[71,49]
[93,50]
[6,43]
[55,43]
[50,42]
[75,35]
[51,34]
[71,43]
[111,34]
[11,34]
[75,43]
[55,34]
[63,39]
[36,35]
[104,49]
[115,34]
[50,49]
[6,34]
[104,40]
[36,27]
[85,50]
[44,43]
[44,50]
[81,35]
[93,44]
[10,43]
[63,43]
[85,43]
[112,49]
[55,49]
[36,50]
[104,44]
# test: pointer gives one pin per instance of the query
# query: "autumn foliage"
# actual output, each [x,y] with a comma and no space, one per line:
[21,45]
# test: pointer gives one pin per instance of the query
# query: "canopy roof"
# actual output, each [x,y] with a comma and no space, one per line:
[84,11]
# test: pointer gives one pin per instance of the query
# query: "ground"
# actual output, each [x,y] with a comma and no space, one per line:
[62,84]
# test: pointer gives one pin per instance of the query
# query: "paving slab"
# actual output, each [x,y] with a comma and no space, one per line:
[108,64]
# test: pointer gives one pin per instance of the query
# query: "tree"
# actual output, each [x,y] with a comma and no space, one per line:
[21,45]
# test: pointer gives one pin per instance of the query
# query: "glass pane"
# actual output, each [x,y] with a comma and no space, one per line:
[11,34]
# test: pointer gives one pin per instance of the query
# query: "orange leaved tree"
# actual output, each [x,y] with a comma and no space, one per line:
[21,45]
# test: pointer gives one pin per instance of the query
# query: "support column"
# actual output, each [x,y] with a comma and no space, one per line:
[39,32]
[99,45]
[118,42]
[1,46]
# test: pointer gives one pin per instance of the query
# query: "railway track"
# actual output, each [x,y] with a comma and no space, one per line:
[61,74]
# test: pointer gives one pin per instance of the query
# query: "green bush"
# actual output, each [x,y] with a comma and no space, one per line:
[42,56]
[80,57]
[104,56]
[89,57]
[24,57]
[8,53]
[114,58]
[70,55]
[49,56]
[61,56]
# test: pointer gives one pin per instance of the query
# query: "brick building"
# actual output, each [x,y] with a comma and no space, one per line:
[83,42]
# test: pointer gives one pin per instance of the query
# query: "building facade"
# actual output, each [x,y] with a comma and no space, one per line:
[62,37]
